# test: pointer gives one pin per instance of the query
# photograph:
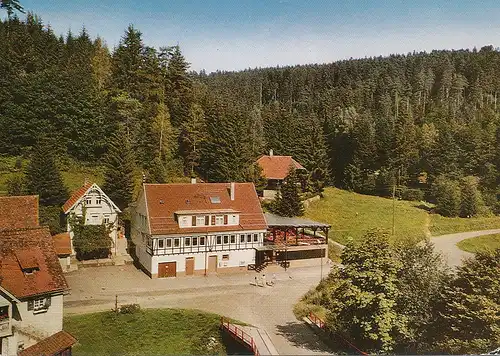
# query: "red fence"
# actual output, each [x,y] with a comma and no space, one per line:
[240,335]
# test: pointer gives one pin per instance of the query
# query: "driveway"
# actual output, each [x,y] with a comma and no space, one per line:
[447,245]
[235,296]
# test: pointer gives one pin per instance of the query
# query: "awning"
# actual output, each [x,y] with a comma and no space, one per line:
[295,222]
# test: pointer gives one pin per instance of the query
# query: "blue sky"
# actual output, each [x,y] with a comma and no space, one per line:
[240,34]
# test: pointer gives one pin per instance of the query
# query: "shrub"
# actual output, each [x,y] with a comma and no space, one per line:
[129,308]
[447,195]
[412,194]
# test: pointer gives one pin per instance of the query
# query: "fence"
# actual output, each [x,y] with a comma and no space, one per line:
[241,335]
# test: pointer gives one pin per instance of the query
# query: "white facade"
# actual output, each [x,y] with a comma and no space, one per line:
[31,324]
[99,209]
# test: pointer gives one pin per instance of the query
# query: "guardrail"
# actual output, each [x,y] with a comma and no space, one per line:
[240,335]
[317,320]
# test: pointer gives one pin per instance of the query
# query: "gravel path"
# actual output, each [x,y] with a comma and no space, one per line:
[235,296]
[447,245]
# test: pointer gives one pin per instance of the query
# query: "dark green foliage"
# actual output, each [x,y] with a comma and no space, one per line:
[469,313]
[472,202]
[287,202]
[255,176]
[16,185]
[129,308]
[53,217]
[90,241]
[11,6]
[447,195]
[363,299]
[156,172]
[412,194]
[43,178]
[119,170]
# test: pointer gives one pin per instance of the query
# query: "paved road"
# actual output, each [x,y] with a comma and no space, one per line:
[447,245]
[235,296]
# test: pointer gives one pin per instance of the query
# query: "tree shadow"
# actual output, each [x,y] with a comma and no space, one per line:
[429,209]
[300,335]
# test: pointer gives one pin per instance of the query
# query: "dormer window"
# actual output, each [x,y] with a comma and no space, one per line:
[39,305]
[200,221]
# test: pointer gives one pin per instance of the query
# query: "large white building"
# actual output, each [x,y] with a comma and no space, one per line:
[32,284]
[99,209]
[187,229]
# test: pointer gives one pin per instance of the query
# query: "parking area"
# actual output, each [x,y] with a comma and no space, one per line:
[234,295]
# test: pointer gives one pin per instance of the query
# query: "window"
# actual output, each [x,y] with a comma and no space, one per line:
[225,257]
[195,241]
[226,239]
[233,219]
[160,243]
[193,220]
[98,201]
[213,220]
[233,239]
[184,221]
[39,304]
[150,242]
[176,242]
[219,220]
[219,240]
[200,220]
[202,241]
[249,238]
[225,219]
[187,241]
[255,238]
[106,219]
[88,201]
[242,238]
[169,242]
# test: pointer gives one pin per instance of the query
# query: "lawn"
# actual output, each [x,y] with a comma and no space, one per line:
[351,215]
[480,243]
[147,332]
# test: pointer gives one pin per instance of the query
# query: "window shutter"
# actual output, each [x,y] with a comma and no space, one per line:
[47,302]
[213,219]
[30,304]
[225,219]
[206,220]
[193,220]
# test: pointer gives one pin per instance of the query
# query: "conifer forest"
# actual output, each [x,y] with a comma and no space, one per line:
[420,121]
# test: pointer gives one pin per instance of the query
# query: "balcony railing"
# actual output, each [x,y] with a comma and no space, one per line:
[5,326]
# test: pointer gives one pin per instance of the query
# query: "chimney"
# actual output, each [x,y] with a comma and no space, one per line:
[193,180]
[232,190]
[271,152]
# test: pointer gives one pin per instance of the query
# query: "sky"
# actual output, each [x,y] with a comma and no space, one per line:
[239,34]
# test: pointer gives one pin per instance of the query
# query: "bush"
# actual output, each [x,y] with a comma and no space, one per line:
[412,194]
[448,196]
[129,308]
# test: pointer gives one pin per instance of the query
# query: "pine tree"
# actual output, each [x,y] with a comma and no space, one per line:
[119,170]
[193,134]
[43,178]
[287,201]
[11,6]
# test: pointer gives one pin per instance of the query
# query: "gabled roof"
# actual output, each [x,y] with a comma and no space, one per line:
[50,346]
[277,167]
[28,248]
[80,193]
[164,200]
[18,212]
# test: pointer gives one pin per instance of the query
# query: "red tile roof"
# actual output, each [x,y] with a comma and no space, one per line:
[18,212]
[62,243]
[163,200]
[76,196]
[277,167]
[51,345]
[26,246]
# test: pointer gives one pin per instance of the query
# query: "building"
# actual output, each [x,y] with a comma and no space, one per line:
[98,209]
[187,229]
[275,169]
[31,283]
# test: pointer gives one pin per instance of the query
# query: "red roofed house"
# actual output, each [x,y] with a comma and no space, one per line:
[186,229]
[275,169]
[32,284]
[99,209]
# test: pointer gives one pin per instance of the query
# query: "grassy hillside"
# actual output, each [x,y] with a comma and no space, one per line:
[480,243]
[352,214]
[147,332]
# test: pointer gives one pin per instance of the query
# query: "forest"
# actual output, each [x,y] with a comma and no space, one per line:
[419,125]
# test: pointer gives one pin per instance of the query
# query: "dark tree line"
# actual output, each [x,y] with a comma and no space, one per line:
[366,125]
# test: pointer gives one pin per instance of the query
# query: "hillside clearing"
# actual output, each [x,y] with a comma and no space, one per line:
[480,244]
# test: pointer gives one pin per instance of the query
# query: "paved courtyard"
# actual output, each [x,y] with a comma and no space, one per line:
[235,296]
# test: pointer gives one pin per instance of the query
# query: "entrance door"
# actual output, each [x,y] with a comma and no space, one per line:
[189,266]
[167,269]
[212,264]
